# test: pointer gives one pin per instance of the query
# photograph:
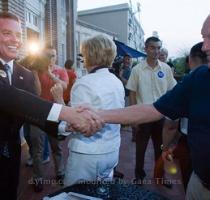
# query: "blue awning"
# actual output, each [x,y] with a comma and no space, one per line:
[123,49]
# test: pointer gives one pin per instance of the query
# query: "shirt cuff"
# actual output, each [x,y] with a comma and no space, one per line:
[54,112]
[62,129]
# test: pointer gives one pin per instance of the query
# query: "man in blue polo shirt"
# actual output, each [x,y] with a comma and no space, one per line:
[189,98]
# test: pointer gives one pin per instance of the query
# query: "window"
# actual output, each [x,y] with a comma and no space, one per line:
[62,4]
[130,36]
[29,17]
[35,20]
[63,52]
[130,22]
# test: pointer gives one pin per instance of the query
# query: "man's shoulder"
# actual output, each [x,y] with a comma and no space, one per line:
[164,66]
[202,69]
[57,67]
[60,71]
[22,69]
[71,73]
[140,65]
[199,76]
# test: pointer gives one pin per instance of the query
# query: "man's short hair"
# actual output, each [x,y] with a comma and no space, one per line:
[196,52]
[127,55]
[7,15]
[68,64]
[164,50]
[151,39]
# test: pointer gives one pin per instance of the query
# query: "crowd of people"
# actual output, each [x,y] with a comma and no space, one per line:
[51,102]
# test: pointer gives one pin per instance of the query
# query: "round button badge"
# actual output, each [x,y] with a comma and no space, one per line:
[160,74]
[3,74]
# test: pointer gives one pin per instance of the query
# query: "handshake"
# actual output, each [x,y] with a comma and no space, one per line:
[82,119]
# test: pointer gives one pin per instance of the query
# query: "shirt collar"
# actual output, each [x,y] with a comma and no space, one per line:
[10,63]
[98,68]
[146,65]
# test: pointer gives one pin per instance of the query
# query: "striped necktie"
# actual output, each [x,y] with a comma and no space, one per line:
[6,76]
[6,68]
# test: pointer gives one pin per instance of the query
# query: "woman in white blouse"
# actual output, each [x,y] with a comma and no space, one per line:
[94,158]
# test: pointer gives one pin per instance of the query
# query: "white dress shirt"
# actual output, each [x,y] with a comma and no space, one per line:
[10,71]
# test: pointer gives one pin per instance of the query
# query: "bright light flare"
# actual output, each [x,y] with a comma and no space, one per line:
[33,47]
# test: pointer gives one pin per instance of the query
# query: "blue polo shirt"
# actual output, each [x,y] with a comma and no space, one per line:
[191,98]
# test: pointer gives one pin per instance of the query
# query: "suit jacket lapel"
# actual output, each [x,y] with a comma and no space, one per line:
[17,77]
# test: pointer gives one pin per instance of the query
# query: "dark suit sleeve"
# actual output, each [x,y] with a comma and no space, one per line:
[19,103]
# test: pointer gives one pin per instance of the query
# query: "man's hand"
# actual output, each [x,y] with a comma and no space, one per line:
[85,107]
[57,93]
[49,71]
[86,121]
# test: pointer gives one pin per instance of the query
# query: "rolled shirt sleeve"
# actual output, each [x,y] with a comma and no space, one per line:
[133,80]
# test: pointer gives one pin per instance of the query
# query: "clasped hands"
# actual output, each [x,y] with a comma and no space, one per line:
[85,120]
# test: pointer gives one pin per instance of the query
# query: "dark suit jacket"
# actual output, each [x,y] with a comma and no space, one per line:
[17,106]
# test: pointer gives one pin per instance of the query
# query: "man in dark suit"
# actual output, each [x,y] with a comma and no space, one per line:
[10,161]
[18,76]
[17,106]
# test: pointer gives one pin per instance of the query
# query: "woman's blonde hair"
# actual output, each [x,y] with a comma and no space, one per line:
[98,51]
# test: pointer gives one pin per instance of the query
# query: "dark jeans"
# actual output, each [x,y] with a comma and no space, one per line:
[38,140]
[26,131]
[182,153]
[144,132]
[46,152]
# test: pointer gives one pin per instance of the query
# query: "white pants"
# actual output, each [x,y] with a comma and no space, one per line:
[195,189]
[90,167]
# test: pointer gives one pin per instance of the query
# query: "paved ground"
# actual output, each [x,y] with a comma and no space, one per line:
[126,165]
